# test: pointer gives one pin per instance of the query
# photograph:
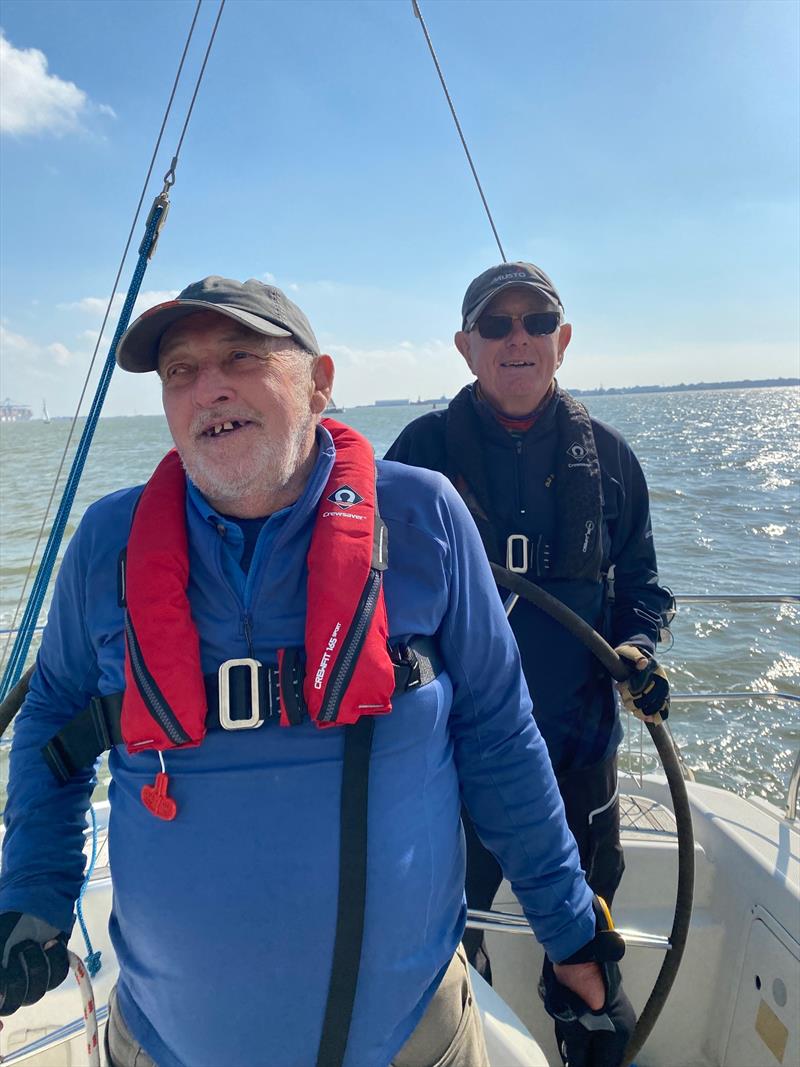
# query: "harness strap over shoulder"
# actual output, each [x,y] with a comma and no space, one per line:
[577,551]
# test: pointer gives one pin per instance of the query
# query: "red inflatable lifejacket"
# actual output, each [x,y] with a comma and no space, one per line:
[349,672]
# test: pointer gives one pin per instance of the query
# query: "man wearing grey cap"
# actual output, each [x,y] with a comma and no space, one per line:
[274,638]
[559,498]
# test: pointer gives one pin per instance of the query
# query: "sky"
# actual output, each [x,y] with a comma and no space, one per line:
[645,154]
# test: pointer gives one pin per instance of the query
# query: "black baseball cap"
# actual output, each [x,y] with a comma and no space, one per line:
[483,289]
[260,307]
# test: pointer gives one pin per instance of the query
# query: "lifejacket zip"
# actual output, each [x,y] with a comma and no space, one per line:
[348,657]
[150,694]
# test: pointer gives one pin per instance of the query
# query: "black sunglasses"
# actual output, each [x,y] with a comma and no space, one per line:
[537,324]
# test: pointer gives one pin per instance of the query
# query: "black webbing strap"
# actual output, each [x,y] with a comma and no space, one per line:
[292,671]
[78,744]
[98,727]
[352,892]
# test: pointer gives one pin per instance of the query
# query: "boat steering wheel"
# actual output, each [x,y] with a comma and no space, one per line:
[670,763]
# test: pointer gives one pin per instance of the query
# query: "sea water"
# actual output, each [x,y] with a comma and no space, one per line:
[722,471]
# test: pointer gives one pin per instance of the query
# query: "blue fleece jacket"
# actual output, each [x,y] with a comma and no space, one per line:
[223,920]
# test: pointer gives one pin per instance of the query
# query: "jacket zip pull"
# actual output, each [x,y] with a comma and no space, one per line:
[154,797]
[248,635]
[518,445]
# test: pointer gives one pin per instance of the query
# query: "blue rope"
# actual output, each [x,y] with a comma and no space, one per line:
[92,959]
[27,627]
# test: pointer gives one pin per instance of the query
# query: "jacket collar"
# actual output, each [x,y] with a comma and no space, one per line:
[544,420]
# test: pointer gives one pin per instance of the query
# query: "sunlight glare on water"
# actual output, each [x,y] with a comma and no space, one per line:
[721,466]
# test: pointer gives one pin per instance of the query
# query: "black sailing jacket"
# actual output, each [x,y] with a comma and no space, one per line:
[573,698]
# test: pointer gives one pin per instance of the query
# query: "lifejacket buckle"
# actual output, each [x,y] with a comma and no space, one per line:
[408,663]
[255,719]
[513,541]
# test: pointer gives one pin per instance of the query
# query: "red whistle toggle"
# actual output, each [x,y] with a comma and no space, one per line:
[155,799]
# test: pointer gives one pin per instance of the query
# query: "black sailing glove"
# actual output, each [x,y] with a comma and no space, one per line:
[33,960]
[645,693]
[589,1038]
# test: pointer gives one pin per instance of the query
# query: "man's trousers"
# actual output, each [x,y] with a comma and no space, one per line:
[592,807]
[449,1034]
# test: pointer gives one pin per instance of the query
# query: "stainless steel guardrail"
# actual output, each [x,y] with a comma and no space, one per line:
[793,791]
[737,694]
[507,922]
[737,598]
[52,1040]
[495,921]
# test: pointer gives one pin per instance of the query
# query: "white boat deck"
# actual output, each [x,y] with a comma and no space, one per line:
[641,816]
[736,1001]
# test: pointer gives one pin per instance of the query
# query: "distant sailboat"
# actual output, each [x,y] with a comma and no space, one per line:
[332,409]
[45,412]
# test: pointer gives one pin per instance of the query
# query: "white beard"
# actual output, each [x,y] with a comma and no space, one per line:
[266,470]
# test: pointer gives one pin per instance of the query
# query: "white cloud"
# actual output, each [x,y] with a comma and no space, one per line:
[375,358]
[14,342]
[35,101]
[60,353]
[17,351]
[95,306]
[31,366]
[400,370]
[32,369]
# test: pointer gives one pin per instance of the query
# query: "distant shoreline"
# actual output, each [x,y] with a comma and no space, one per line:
[746,383]
[619,390]
[622,390]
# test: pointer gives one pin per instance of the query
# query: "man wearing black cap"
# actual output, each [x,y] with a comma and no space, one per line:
[559,498]
[235,634]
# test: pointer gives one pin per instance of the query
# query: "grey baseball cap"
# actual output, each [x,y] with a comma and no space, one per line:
[260,307]
[483,289]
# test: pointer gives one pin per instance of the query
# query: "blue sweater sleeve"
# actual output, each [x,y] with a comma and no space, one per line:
[43,858]
[507,781]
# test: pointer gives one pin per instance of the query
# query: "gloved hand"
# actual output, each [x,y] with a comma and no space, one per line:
[33,960]
[646,692]
[588,1038]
